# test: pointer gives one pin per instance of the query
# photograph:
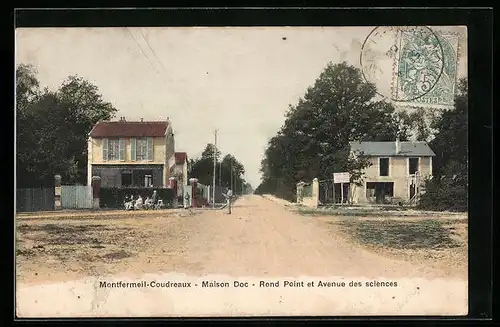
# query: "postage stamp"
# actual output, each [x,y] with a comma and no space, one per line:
[422,63]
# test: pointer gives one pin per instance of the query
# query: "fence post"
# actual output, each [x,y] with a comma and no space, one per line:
[57,197]
[96,192]
[174,185]
[315,192]
[194,189]
[300,191]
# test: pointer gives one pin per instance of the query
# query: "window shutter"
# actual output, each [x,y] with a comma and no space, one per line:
[133,147]
[104,149]
[121,149]
[150,148]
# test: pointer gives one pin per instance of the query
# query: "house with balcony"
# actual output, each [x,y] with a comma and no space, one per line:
[397,172]
[131,153]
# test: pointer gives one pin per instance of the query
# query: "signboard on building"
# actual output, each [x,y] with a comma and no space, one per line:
[341,177]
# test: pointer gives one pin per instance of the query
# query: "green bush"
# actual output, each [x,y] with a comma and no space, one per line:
[441,196]
[113,198]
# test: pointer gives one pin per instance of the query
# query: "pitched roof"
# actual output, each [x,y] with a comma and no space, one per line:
[129,129]
[408,149]
[180,157]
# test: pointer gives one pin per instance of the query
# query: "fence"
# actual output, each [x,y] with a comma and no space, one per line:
[76,197]
[35,199]
[203,194]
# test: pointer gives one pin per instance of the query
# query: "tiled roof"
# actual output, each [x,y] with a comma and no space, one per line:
[129,129]
[407,149]
[180,158]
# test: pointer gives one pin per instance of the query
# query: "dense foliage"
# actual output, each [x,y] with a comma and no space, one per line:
[202,168]
[314,140]
[448,189]
[52,128]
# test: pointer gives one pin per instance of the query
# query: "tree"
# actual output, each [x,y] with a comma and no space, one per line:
[447,190]
[203,167]
[314,139]
[52,128]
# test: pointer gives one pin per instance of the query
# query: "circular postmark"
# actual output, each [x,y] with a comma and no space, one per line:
[403,62]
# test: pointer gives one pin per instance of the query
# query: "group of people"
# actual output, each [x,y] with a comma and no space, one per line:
[149,203]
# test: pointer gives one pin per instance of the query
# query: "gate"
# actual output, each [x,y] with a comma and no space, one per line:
[76,197]
[35,199]
[327,194]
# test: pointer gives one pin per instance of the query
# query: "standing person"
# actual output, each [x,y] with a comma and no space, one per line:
[228,197]
[186,202]
[154,198]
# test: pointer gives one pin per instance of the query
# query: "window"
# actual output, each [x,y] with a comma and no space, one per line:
[413,165]
[113,149]
[142,148]
[384,166]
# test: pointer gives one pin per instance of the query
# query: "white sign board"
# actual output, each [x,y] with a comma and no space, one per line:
[341,177]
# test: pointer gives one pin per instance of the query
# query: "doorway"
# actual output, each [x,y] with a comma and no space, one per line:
[379,191]
[126,178]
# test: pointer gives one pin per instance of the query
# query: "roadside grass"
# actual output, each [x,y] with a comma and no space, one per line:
[375,212]
[390,234]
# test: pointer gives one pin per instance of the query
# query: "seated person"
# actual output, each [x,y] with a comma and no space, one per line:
[129,203]
[138,203]
[148,204]
[159,205]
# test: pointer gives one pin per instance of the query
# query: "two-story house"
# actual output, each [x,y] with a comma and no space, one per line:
[397,170]
[131,153]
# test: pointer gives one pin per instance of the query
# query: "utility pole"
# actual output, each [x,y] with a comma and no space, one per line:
[220,173]
[232,177]
[215,166]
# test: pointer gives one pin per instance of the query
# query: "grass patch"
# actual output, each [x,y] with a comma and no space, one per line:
[425,234]
[382,212]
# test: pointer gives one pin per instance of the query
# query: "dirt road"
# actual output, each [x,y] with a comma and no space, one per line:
[259,240]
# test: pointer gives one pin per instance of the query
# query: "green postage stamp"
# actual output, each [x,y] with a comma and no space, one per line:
[413,65]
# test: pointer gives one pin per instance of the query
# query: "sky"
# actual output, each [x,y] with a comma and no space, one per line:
[238,80]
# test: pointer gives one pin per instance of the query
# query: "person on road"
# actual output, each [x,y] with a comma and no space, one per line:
[228,197]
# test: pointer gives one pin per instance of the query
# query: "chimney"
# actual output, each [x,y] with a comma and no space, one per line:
[398,145]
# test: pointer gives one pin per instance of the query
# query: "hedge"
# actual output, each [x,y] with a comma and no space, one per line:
[113,198]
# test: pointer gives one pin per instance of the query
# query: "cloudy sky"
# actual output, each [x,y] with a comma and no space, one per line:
[237,80]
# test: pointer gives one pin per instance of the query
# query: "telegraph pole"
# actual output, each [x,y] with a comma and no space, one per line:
[215,166]
[232,177]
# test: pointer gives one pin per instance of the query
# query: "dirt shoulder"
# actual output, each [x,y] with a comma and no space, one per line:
[260,238]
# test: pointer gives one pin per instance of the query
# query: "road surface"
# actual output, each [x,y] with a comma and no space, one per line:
[260,242]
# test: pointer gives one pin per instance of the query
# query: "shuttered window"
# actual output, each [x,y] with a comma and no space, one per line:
[115,149]
[141,152]
[133,147]
[104,149]
[121,148]
[150,148]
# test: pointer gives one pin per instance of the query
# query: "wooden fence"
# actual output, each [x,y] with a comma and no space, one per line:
[35,199]
[76,197]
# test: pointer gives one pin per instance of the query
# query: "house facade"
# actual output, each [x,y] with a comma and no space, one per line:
[131,153]
[179,168]
[397,170]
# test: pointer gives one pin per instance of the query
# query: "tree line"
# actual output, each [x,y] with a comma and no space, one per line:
[229,172]
[341,107]
[52,128]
